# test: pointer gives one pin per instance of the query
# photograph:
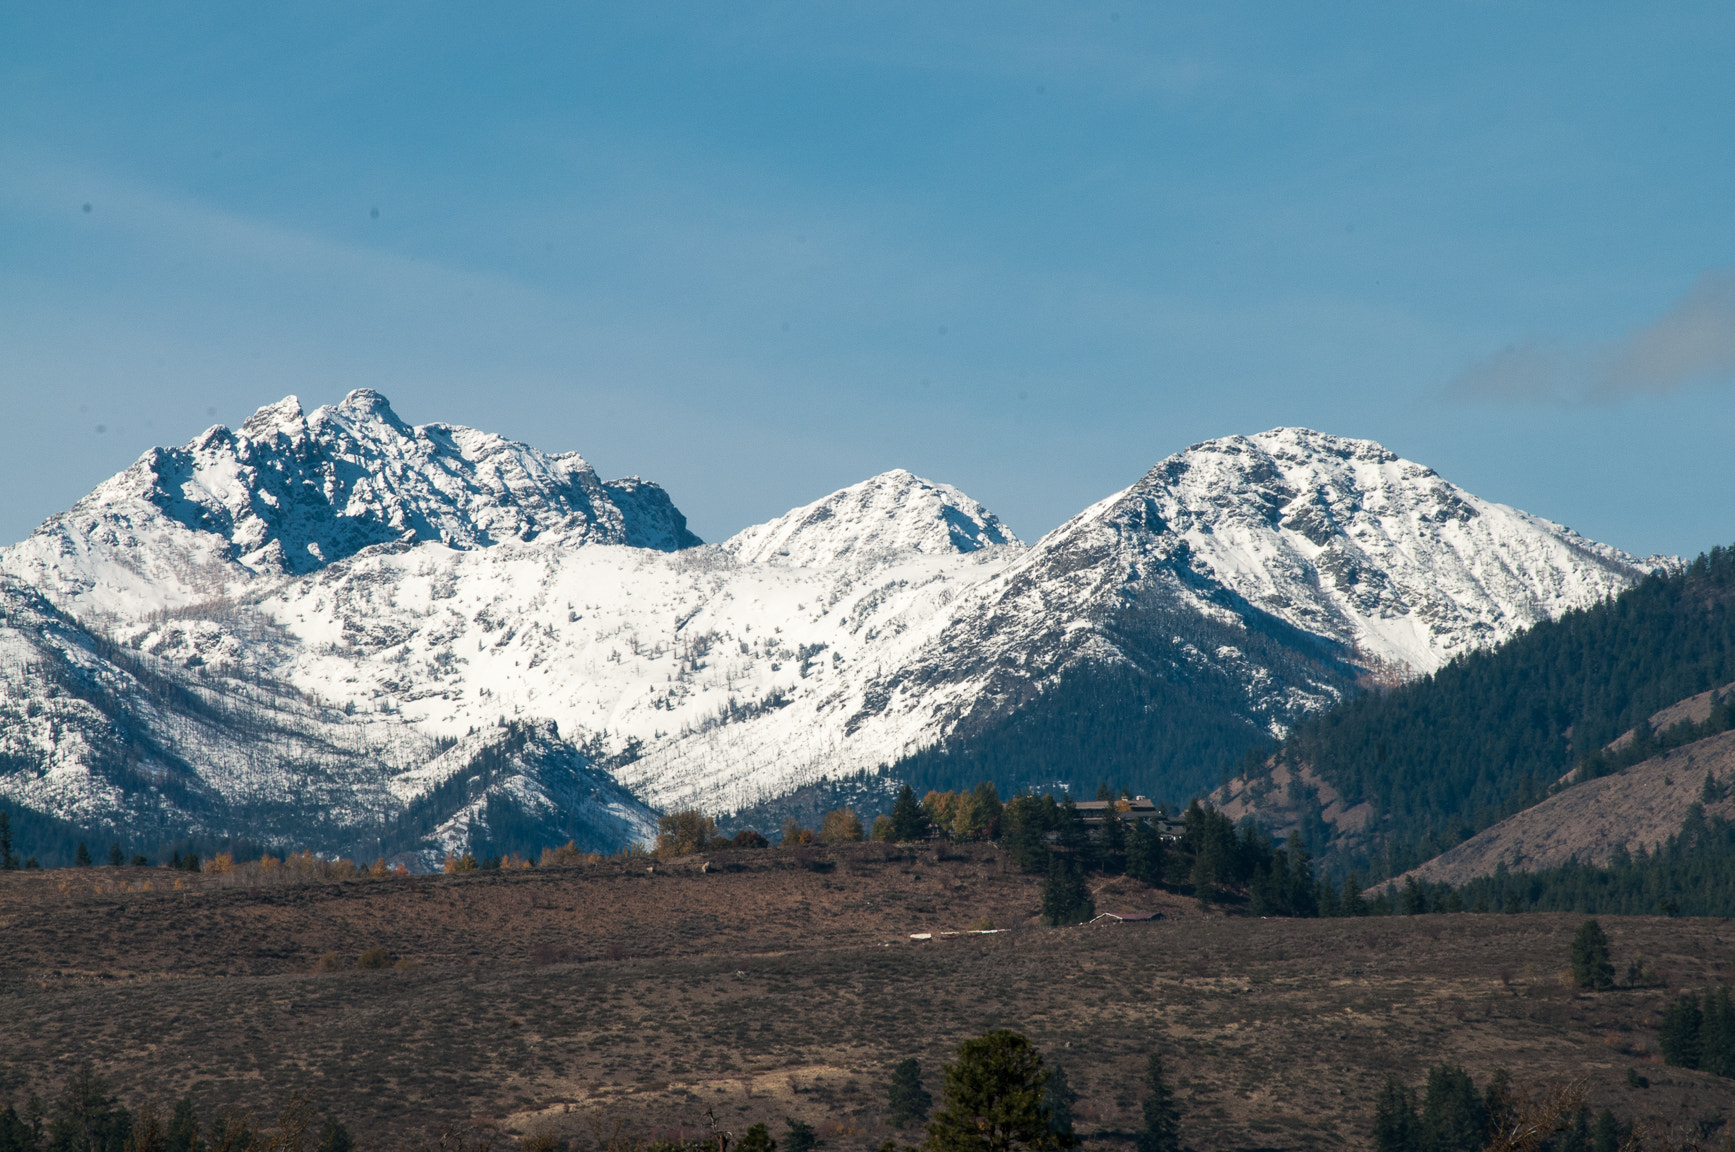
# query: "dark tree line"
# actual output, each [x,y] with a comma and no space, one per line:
[87,1117]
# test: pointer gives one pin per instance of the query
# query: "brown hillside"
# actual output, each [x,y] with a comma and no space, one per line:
[1639,807]
[570,1000]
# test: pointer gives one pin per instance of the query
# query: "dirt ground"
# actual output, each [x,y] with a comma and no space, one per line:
[588,1000]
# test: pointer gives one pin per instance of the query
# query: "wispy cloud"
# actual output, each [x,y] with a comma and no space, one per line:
[1692,343]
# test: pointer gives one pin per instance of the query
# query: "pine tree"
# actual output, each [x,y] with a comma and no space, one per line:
[1302,894]
[1144,853]
[334,1137]
[1058,1098]
[1607,1136]
[115,859]
[8,861]
[909,822]
[1678,1036]
[1395,1125]
[799,1137]
[1025,833]
[1111,844]
[15,1135]
[992,1101]
[183,1132]
[1717,1033]
[757,1139]
[1065,895]
[86,1117]
[1591,967]
[907,1100]
[1162,1130]
[81,858]
[1453,1116]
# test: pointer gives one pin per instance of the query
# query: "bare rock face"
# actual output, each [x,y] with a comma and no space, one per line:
[381,593]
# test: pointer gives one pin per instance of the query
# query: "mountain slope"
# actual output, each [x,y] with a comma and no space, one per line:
[383,586]
[1410,773]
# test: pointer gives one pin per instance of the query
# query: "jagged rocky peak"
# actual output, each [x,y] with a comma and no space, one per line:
[291,491]
[894,512]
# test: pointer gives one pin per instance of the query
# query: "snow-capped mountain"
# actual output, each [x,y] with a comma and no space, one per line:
[404,588]
[290,493]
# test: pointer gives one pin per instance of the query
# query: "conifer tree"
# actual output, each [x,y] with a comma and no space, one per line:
[1453,1116]
[992,1101]
[1111,845]
[1144,853]
[8,861]
[81,858]
[907,1100]
[799,1137]
[909,822]
[1162,1130]
[183,1131]
[1717,1032]
[757,1139]
[1591,967]
[1065,895]
[15,1135]
[86,1118]
[1678,1036]
[1058,1098]
[1395,1125]
[986,809]
[115,859]
[1025,834]
[334,1137]
[1607,1135]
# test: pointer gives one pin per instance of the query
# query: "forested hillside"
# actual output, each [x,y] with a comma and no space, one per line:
[1450,754]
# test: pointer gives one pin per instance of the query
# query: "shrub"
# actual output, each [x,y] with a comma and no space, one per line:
[748,838]
[373,958]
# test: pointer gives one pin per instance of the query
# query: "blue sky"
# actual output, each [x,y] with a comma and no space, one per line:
[756,251]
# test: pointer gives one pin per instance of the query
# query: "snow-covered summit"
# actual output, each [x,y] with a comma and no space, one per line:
[291,492]
[1345,539]
[892,513]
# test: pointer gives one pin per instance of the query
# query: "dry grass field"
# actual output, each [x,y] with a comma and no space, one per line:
[582,1001]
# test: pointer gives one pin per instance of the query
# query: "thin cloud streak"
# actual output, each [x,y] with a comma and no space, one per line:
[1693,343]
